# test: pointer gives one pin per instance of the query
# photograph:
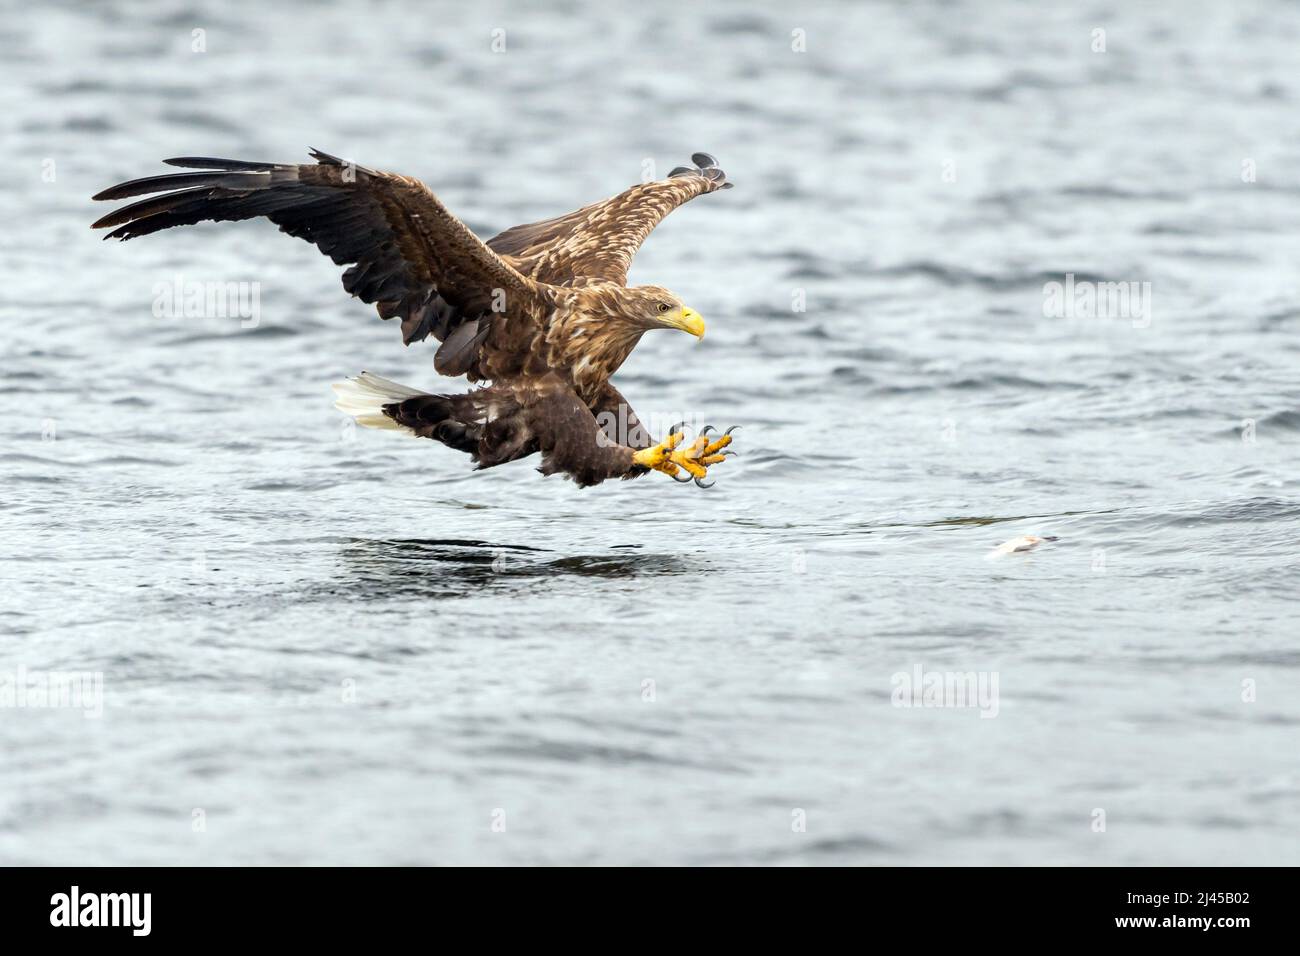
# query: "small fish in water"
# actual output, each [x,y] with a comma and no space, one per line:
[1026,542]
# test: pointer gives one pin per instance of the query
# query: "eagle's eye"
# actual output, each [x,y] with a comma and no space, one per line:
[664,306]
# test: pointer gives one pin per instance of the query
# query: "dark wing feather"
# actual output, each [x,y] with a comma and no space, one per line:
[599,241]
[407,254]
[458,352]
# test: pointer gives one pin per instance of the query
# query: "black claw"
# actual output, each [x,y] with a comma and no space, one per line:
[680,481]
[676,428]
[706,429]
[703,485]
[703,160]
[731,454]
[731,429]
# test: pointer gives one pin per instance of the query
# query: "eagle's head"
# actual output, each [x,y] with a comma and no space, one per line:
[653,307]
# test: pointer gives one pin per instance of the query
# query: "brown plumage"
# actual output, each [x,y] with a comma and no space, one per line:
[542,311]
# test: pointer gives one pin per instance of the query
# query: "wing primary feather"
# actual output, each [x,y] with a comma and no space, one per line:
[146,207]
[207,162]
[157,184]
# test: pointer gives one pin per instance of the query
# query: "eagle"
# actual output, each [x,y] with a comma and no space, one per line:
[539,317]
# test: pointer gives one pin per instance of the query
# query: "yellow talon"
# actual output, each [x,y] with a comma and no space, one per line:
[717,446]
[693,459]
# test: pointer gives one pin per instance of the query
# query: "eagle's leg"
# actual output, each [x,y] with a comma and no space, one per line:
[694,459]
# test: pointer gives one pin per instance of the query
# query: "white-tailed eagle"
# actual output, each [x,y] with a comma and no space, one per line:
[542,313]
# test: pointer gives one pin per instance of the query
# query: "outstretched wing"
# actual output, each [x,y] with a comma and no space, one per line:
[408,255]
[599,241]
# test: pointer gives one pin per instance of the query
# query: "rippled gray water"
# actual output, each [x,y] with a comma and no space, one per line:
[321,646]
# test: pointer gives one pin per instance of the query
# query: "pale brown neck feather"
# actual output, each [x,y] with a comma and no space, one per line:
[592,340]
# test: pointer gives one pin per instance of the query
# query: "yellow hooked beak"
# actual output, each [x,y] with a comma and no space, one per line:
[688,320]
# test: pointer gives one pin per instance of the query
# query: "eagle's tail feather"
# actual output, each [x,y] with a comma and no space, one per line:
[365,396]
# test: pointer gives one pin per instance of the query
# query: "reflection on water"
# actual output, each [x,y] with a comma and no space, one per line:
[454,567]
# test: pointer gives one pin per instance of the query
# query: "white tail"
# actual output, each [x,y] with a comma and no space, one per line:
[365,396]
